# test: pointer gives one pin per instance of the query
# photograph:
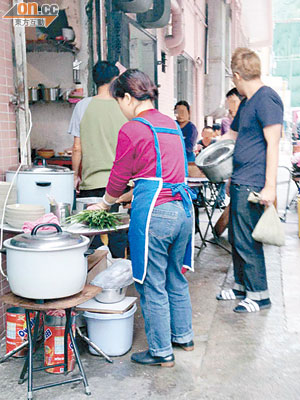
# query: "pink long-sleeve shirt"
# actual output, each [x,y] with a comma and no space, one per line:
[136,155]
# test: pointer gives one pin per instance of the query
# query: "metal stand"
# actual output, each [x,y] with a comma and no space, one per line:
[210,204]
[12,352]
[288,183]
[93,345]
[28,365]
[67,304]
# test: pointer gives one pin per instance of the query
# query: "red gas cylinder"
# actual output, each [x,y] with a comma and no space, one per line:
[16,331]
[54,331]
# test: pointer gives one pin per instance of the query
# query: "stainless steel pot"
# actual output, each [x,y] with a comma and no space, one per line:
[111,295]
[51,94]
[216,161]
[32,94]
[62,211]
[46,264]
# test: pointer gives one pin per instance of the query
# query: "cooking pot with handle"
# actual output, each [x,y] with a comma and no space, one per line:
[216,161]
[36,182]
[46,264]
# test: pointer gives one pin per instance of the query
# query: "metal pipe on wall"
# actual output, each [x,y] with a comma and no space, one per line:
[98,28]
[177,36]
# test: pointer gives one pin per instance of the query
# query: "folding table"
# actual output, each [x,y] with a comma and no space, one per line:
[208,195]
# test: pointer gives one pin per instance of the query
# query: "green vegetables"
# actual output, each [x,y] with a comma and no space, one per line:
[99,219]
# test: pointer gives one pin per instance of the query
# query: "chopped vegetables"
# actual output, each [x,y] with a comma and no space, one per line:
[99,219]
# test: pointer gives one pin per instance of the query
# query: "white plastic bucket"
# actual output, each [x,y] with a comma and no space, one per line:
[111,332]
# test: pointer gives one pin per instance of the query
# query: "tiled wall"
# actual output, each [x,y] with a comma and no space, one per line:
[8,141]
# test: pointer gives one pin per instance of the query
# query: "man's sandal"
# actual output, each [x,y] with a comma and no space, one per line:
[230,294]
[249,306]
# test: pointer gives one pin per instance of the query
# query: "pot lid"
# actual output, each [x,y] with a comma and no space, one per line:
[41,168]
[46,240]
[215,153]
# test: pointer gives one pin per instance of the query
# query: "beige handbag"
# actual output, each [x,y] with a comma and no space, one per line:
[269,229]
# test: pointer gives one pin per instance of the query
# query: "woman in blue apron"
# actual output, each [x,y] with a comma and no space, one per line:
[151,151]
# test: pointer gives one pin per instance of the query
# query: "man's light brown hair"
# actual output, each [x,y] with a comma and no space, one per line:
[246,63]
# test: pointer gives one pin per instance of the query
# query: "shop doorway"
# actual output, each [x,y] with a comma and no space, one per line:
[142,51]
[183,79]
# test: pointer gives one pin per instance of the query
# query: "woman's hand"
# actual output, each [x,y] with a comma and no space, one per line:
[126,199]
[98,206]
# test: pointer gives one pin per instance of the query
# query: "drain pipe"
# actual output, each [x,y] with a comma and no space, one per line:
[175,40]
[176,51]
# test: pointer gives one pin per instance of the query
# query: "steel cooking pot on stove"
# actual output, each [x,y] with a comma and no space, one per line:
[36,182]
[51,94]
[32,94]
[46,264]
[216,161]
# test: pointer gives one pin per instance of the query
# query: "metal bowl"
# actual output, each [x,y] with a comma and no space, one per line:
[111,295]
[216,160]
[83,202]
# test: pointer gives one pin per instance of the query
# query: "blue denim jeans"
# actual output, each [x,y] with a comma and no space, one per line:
[164,295]
[222,193]
[247,254]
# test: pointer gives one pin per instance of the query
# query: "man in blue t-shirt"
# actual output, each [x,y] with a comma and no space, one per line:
[257,129]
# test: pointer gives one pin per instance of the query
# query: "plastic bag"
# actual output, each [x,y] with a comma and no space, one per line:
[109,257]
[269,229]
[118,275]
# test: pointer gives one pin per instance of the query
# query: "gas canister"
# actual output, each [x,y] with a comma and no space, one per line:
[54,331]
[16,330]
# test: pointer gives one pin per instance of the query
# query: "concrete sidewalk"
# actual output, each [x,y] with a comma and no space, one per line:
[249,357]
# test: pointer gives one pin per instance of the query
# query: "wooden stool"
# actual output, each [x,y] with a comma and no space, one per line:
[66,304]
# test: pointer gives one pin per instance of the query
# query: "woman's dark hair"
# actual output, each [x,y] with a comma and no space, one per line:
[104,72]
[183,103]
[136,83]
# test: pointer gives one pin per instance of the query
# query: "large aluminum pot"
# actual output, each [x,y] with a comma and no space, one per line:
[46,264]
[216,161]
[36,182]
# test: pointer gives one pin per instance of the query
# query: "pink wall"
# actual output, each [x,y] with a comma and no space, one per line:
[238,38]
[8,141]
[194,31]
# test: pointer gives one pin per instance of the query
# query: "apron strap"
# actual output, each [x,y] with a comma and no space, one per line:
[156,143]
[184,190]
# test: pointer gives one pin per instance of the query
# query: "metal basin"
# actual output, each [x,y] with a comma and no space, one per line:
[216,161]
[83,202]
[111,295]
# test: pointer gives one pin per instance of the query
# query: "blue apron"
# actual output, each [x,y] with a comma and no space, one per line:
[145,193]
